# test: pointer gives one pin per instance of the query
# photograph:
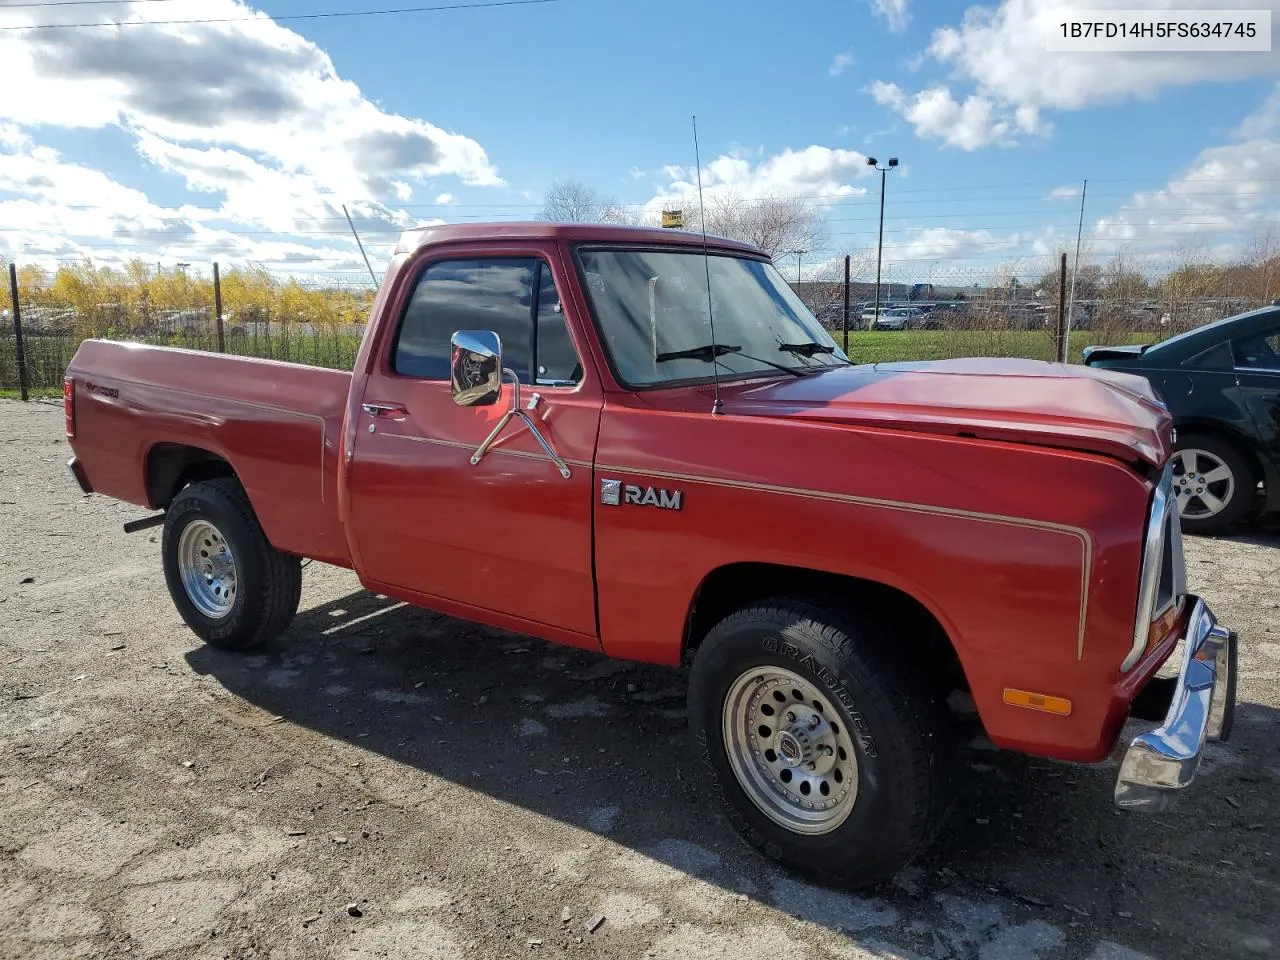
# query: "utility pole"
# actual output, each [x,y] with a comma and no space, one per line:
[799,252]
[872,162]
[372,275]
[1071,297]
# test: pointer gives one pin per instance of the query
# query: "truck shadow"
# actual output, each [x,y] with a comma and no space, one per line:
[602,745]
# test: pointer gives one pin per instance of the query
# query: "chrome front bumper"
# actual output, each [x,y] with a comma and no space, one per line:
[1159,764]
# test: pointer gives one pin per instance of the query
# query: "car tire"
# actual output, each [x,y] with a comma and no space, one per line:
[1199,460]
[875,743]
[230,585]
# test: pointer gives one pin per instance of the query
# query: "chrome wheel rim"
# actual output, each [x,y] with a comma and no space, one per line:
[207,568]
[790,750]
[1204,485]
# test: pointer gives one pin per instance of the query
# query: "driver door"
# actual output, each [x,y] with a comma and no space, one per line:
[508,534]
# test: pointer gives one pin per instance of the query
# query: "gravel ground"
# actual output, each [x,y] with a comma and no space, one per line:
[478,794]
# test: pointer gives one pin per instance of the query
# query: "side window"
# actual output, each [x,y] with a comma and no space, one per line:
[1261,352]
[1217,357]
[557,360]
[482,294]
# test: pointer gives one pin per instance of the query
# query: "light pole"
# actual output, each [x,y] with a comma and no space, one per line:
[799,252]
[872,162]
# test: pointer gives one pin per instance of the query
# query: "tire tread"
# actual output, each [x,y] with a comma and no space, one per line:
[927,773]
[281,572]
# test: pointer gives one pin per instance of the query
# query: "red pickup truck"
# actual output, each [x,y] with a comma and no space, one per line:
[641,442]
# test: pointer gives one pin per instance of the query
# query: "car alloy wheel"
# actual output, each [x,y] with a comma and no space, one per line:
[1204,485]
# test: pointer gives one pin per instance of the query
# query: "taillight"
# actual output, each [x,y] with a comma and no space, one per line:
[69,405]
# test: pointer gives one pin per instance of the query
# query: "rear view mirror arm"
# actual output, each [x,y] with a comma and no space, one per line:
[516,410]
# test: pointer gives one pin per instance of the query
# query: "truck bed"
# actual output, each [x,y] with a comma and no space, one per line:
[277,424]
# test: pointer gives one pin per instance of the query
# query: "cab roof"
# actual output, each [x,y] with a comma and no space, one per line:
[419,237]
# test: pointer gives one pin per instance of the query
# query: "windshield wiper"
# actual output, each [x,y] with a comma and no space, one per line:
[712,351]
[806,349]
[707,352]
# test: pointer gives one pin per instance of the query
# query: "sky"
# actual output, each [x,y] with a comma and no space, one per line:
[240,139]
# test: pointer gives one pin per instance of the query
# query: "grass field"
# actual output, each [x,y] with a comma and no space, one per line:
[884,346]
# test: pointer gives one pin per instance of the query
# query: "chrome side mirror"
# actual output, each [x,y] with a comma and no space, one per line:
[475,368]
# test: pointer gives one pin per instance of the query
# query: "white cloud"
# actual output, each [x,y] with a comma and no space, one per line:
[936,115]
[1222,197]
[1000,51]
[893,12]
[252,83]
[11,137]
[69,210]
[814,171]
[1223,200]
[637,173]
[1003,51]
[446,200]
[1066,192]
[840,63]
[248,112]
[1263,122]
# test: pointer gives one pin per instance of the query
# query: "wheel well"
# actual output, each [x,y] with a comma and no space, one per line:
[171,466]
[734,586]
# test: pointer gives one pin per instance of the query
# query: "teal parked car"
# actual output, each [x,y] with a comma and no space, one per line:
[1221,383]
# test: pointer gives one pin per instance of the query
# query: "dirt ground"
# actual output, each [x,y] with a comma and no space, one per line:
[482,795]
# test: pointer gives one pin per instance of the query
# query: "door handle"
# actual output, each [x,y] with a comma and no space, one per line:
[385,410]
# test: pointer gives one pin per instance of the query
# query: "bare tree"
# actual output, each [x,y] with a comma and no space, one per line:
[823,290]
[573,201]
[777,225]
[1263,257]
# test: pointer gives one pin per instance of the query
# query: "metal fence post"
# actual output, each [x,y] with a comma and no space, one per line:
[846,304]
[217,308]
[19,349]
[1060,336]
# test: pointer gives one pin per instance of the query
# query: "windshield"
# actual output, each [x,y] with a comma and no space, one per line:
[651,305]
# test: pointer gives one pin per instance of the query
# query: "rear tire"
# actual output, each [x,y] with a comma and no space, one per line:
[1214,484]
[232,588]
[791,693]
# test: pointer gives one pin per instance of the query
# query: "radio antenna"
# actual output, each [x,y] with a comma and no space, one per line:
[716,405]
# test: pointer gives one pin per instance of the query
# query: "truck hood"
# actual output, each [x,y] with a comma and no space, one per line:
[1021,401]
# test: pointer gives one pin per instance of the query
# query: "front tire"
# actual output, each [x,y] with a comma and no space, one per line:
[231,587]
[822,750]
[1215,486]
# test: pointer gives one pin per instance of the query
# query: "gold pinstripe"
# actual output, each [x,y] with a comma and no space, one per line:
[1082,535]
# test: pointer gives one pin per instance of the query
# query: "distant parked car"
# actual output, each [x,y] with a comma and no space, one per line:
[897,318]
[1221,382]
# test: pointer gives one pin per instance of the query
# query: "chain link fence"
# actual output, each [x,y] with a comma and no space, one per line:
[1009,311]
[1016,312]
[318,322]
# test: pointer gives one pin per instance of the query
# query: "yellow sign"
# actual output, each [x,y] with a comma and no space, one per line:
[673,218]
